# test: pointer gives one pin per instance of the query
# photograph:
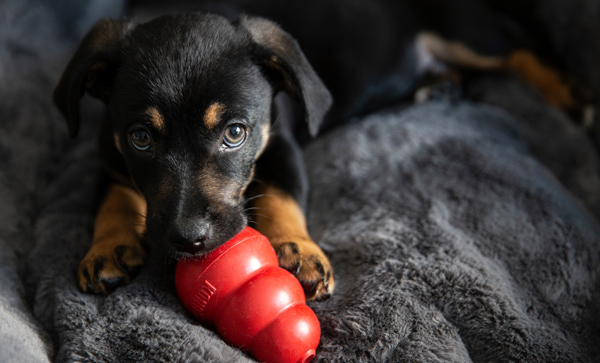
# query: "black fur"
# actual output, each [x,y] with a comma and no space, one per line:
[180,65]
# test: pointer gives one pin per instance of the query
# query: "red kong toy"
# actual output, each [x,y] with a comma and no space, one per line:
[254,304]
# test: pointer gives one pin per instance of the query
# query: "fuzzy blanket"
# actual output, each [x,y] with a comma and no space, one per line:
[458,232]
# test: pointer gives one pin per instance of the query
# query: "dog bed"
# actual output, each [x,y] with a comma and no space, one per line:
[458,231]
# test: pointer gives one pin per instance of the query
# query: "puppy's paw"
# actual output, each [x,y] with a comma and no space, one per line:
[308,263]
[104,268]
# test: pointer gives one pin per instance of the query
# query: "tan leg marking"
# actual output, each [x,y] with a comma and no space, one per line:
[549,82]
[545,79]
[116,250]
[279,217]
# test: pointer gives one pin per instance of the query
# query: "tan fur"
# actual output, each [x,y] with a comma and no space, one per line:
[457,53]
[283,219]
[121,211]
[266,135]
[156,118]
[268,35]
[120,222]
[545,79]
[522,63]
[280,218]
[213,114]
[242,190]
[118,143]
[213,185]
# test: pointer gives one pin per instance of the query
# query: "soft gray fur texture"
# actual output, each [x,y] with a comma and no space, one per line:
[458,232]
[452,243]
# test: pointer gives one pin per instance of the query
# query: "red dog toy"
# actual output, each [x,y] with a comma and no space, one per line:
[254,304]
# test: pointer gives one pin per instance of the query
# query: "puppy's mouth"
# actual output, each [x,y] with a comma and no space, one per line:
[176,255]
[179,242]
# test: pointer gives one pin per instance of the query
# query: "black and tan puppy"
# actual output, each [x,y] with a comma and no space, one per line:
[192,143]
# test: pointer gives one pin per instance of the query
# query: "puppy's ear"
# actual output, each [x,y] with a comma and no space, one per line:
[91,69]
[280,54]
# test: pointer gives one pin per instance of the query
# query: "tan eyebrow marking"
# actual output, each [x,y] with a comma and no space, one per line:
[213,114]
[118,142]
[156,118]
[266,135]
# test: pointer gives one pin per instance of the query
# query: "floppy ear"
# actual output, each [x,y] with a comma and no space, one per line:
[91,69]
[280,53]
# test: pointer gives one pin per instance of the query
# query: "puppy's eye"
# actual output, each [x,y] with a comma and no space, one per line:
[140,139]
[234,136]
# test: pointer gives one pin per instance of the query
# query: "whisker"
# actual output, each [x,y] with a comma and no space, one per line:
[259,215]
[131,225]
[252,198]
[255,197]
[253,208]
[141,215]
[131,211]
[259,196]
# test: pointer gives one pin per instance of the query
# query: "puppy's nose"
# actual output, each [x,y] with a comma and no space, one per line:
[190,236]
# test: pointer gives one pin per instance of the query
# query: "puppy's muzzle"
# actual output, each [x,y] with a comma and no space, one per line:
[190,236]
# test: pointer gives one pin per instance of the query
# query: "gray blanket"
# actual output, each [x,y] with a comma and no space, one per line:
[458,232]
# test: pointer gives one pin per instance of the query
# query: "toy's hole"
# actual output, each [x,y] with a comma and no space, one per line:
[307,357]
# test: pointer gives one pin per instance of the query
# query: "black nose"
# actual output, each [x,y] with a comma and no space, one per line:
[190,236]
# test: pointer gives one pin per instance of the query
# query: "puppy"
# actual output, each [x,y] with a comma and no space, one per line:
[196,146]
[192,142]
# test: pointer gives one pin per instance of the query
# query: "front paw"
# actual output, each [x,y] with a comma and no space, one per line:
[308,263]
[104,268]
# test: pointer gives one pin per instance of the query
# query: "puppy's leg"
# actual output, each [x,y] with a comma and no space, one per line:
[277,213]
[116,252]
[560,91]
[280,218]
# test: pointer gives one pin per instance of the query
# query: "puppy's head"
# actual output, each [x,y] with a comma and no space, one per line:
[189,100]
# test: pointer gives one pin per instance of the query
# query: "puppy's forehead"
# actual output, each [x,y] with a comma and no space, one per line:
[179,55]
[201,35]
[195,70]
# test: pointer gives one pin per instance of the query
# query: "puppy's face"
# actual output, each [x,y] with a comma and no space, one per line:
[190,113]
[188,102]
